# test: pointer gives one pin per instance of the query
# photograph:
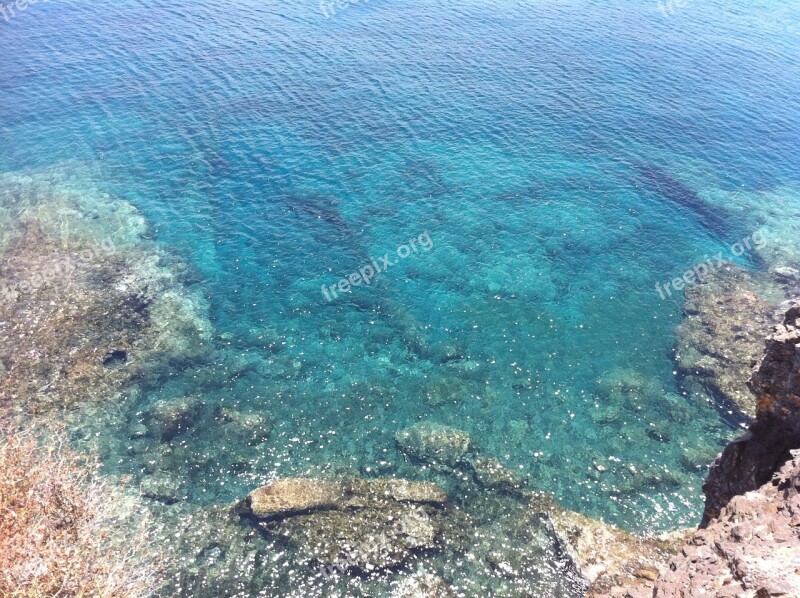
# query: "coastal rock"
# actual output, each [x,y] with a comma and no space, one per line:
[612,560]
[749,462]
[721,337]
[352,524]
[752,548]
[435,444]
[288,496]
[748,543]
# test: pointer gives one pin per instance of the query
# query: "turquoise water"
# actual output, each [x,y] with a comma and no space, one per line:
[278,151]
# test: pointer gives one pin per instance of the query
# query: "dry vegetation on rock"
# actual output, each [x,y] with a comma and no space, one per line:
[62,529]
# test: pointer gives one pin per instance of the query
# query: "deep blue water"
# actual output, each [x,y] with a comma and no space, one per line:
[279,150]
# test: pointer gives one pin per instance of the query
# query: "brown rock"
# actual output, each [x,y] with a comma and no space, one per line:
[650,573]
[290,496]
[765,564]
[750,544]
[749,462]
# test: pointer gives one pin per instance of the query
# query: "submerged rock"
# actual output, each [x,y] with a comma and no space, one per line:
[210,552]
[446,391]
[79,324]
[490,473]
[355,524]
[288,496]
[434,443]
[167,418]
[365,540]
[162,488]
[70,210]
[252,428]
[721,336]
[786,274]
[628,382]
[623,391]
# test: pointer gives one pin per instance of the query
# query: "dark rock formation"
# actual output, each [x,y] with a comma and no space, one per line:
[748,543]
[684,197]
[750,462]
[751,549]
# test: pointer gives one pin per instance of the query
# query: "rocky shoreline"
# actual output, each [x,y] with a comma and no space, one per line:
[454,521]
[748,543]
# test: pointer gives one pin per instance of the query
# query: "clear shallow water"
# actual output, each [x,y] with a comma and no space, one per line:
[279,151]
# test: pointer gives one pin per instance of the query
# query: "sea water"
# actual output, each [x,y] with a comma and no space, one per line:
[531,168]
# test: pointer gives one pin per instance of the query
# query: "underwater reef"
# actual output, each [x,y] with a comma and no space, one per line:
[722,334]
[86,330]
[86,306]
[97,323]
